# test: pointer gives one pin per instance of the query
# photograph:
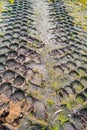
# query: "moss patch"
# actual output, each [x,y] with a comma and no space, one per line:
[78,10]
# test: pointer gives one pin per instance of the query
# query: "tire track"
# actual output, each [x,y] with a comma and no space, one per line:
[43,66]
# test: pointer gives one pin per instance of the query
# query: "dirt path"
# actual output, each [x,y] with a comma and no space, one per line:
[43,68]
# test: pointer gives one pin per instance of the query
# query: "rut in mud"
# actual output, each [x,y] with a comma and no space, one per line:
[43,68]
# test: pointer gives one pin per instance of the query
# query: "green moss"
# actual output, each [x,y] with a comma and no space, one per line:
[50,102]
[86,17]
[54,84]
[37,94]
[12,1]
[78,12]
[43,128]
[1,35]
[55,128]
[62,118]
[79,100]
[79,88]
[72,36]
[71,104]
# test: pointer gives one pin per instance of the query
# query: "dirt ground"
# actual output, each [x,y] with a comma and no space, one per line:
[43,65]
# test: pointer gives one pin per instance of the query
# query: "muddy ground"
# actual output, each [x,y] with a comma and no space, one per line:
[43,67]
